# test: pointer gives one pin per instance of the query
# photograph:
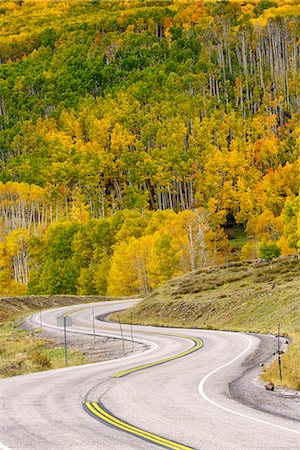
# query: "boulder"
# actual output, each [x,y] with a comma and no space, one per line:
[269,386]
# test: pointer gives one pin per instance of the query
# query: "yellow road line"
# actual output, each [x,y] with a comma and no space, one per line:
[75,310]
[198,344]
[105,416]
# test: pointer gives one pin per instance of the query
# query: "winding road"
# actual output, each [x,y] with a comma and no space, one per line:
[173,395]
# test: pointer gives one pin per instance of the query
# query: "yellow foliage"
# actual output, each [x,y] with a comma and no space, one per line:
[265,227]
[249,250]
[284,247]
[127,274]
[164,259]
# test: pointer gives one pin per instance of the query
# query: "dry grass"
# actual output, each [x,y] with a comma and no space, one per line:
[290,365]
[24,351]
[244,296]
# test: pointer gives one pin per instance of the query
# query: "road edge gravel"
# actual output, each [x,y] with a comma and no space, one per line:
[249,390]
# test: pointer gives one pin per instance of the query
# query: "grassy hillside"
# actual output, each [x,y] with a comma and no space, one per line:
[244,296]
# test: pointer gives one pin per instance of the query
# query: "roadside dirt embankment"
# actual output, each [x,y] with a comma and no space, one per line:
[13,307]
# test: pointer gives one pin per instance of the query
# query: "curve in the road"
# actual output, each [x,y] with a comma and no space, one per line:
[132,405]
[198,343]
[212,402]
[97,410]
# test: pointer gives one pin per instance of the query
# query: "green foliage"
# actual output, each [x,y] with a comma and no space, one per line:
[165,261]
[128,253]
[109,110]
[48,37]
[59,238]
[105,104]
[269,251]
[263,5]
[101,273]
[59,272]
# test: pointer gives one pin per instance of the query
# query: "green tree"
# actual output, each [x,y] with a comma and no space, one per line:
[59,272]
[269,251]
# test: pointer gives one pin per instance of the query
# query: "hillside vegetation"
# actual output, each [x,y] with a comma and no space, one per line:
[14,308]
[112,108]
[250,296]
[23,351]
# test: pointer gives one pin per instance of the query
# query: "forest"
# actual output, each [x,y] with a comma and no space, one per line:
[136,135]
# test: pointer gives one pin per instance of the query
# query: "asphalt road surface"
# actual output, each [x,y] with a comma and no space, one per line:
[182,403]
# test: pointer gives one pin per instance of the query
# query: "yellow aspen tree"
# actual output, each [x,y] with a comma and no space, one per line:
[164,261]
[128,271]
[291,221]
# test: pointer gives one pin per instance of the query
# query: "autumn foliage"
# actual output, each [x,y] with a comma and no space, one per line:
[133,134]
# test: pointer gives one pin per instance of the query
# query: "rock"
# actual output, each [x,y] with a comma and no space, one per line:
[261,364]
[269,386]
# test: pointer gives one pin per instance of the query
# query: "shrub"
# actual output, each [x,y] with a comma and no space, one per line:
[41,360]
[269,251]
[20,358]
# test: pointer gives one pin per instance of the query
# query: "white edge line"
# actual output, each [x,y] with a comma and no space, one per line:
[153,346]
[202,393]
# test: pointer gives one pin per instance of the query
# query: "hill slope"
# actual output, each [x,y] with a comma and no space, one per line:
[248,296]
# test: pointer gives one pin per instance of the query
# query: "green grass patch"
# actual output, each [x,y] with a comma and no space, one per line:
[237,236]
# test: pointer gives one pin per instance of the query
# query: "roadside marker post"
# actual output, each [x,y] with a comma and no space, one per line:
[279,357]
[123,345]
[94,332]
[131,330]
[65,334]
[65,321]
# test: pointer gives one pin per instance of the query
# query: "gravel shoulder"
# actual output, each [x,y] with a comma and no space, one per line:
[101,349]
[249,389]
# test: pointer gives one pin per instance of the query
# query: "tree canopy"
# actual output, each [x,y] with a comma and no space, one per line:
[112,110]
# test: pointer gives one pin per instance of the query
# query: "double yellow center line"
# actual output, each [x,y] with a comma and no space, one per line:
[98,410]
[197,344]
[104,415]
